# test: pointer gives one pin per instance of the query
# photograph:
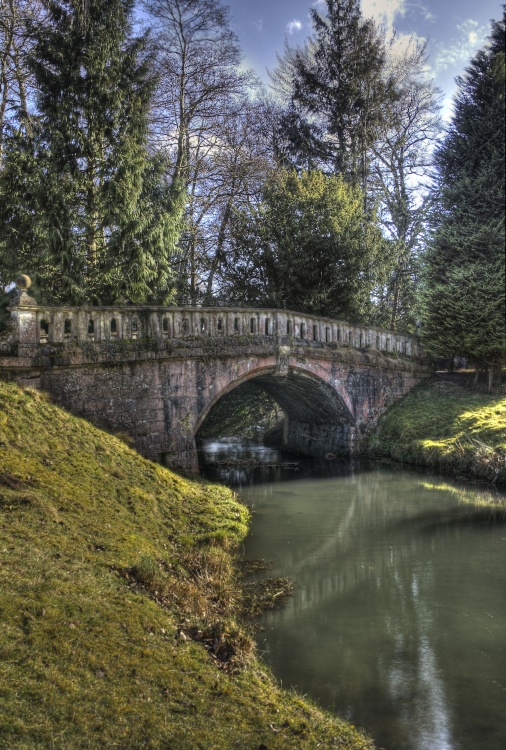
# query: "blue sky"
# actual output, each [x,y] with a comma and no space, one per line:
[455,29]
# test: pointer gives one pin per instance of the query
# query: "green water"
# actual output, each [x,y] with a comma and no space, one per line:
[399,619]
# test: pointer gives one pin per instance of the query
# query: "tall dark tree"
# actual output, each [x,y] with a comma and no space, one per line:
[339,92]
[357,103]
[84,208]
[465,263]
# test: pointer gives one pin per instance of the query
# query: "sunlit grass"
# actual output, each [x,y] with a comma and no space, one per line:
[448,427]
[121,622]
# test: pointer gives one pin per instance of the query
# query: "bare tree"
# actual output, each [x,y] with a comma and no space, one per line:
[401,170]
[200,96]
[242,166]
[17,21]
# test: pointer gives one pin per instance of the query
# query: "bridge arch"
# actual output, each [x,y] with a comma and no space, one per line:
[318,414]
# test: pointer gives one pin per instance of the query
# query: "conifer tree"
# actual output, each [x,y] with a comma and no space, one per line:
[339,92]
[307,246]
[85,209]
[465,263]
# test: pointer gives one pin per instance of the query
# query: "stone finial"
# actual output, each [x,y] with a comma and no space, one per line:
[23,282]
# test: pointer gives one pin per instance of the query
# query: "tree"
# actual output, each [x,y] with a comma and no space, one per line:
[402,158]
[83,203]
[308,246]
[238,171]
[200,96]
[17,17]
[339,92]
[464,300]
[353,104]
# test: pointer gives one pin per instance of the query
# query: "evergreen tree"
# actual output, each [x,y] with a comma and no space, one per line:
[308,246]
[465,264]
[339,92]
[85,209]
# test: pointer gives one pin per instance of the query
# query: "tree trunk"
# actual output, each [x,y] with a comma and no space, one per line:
[494,376]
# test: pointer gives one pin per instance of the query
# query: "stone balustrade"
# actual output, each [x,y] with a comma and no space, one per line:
[42,324]
[154,373]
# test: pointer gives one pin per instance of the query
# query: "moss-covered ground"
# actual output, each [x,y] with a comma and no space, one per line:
[121,605]
[447,425]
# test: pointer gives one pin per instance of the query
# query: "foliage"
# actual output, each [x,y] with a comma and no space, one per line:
[244,412]
[307,246]
[339,93]
[445,425]
[120,602]
[202,116]
[465,265]
[87,209]
[354,102]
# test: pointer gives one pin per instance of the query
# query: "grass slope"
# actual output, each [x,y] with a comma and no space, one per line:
[449,427]
[121,605]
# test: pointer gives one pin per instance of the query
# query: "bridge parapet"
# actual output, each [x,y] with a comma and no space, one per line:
[35,324]
[154,373]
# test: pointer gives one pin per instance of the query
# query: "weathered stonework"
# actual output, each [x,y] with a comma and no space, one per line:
[155,373]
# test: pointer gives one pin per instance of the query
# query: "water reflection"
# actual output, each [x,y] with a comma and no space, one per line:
[260,462]
[399,621]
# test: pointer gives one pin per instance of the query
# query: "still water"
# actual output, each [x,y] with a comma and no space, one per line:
[398,623]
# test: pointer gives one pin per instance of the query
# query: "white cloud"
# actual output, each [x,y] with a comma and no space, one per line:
[258,25]
[459,51]
[293,26]
[402,44]
[384,11]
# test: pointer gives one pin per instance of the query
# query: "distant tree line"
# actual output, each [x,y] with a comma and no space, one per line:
[148,166]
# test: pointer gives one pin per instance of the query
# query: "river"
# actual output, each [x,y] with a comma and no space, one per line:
[398,621]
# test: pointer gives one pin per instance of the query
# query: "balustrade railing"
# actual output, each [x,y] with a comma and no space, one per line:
[33,323]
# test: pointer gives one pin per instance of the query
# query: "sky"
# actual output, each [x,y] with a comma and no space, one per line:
[455,30]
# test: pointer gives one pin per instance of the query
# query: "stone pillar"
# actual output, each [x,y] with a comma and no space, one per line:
[23,311]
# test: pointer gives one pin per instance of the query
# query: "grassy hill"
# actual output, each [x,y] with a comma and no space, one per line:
[449,426]
[121,607]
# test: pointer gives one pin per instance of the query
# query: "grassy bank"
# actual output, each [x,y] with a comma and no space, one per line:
[121,609]
[446,425]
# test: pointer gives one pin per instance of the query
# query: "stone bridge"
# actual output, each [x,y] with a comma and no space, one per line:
[154,373]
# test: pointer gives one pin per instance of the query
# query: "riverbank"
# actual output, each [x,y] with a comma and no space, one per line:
[448,426]
[122,607]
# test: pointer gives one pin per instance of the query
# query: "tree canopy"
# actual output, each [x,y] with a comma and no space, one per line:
[82,200]
[339,92]
[308,246]
[356,102]
[154,168]
[464,301]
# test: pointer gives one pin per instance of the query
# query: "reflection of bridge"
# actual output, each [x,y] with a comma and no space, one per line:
[155,372]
